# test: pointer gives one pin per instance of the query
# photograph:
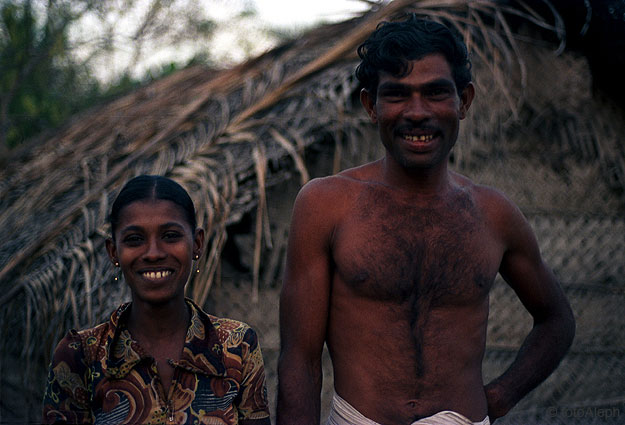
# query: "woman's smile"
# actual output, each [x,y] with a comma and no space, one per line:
[157,275]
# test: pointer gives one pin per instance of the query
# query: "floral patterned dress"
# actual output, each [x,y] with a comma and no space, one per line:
[102,376]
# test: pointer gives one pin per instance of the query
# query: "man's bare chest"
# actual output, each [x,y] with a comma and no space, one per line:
[395,252]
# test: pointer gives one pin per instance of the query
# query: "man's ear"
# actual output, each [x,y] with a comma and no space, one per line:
[198,242]
[466,98]
[368,101]
[111,250]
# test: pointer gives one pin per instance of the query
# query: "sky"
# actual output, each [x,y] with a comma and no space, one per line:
[234,40]
[303,12]
[285,14]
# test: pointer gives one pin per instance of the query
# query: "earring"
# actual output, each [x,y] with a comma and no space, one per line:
[197,269]
[117,275]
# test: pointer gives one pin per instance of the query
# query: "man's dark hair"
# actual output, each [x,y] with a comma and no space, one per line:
[152,188]
[392,46]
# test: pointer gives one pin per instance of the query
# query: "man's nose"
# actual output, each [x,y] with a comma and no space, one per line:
[417,108]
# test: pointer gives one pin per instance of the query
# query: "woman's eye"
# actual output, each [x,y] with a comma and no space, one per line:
[132,239]
[172,235]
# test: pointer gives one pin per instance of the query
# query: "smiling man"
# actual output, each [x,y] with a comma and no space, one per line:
[391,263]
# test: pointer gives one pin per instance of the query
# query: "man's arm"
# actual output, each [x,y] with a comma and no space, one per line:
[554,326]
[304,304]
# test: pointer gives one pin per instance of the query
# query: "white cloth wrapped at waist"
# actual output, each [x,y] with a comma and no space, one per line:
[344,413]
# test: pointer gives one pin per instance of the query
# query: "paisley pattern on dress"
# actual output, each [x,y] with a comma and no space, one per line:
[102,376]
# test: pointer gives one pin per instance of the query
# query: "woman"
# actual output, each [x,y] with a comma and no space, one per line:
[159,359]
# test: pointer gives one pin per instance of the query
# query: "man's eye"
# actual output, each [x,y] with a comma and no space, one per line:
[394,94]
[437,92]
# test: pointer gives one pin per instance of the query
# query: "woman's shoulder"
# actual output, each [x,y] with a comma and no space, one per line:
[85,342]
[77,349]
[228,330]
[231,330]
[94,332]
[75,338]
[104,329]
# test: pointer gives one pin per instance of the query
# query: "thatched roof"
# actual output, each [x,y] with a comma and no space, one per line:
[228,135]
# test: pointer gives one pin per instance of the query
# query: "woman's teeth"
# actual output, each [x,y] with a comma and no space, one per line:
[156,275]
[425,138]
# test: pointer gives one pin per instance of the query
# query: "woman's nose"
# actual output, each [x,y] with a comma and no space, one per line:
[154,250]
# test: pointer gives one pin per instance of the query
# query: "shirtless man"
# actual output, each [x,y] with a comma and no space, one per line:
[391,263]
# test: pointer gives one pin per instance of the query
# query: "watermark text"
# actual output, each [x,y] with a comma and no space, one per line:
[583,412]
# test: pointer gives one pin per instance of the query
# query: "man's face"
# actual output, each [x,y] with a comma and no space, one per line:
[418,114]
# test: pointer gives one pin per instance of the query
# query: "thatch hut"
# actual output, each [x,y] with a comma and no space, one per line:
[243,140]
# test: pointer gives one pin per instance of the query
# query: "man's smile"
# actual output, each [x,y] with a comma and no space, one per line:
[418,139]
[422,138]
[417,134]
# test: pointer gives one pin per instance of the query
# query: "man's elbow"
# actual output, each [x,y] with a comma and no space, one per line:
[292,362]
[559,324]
[565,328]
[569,327]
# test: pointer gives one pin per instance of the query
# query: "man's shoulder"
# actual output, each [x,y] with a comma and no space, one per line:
[488,197]
[363,173]
[495,206]
[342,184]
[324,202]
[320,190]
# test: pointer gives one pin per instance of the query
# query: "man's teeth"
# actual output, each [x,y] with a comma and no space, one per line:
[425,138]
[157,275]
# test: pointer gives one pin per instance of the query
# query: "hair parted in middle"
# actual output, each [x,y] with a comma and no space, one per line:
[393,45]
[154,188]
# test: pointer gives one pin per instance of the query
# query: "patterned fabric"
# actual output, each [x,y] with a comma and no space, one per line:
[344,413]
[102,376]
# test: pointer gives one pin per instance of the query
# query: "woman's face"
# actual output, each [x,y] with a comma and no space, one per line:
[155,246]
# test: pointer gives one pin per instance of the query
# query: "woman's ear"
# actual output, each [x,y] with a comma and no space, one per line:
[198,242]
[111,250]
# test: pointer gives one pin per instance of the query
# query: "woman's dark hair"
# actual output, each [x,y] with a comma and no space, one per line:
[152,188]
[393,45]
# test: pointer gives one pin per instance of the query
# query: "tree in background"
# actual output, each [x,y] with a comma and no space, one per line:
[56,55]
[40,84]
